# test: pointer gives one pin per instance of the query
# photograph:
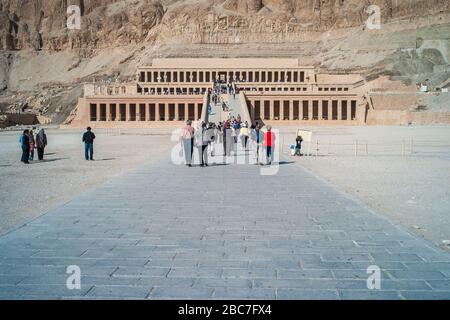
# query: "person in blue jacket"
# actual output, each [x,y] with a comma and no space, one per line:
[25,144]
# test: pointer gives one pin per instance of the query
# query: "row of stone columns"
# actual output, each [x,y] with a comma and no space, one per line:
[195,76]
[150,109]
[349,105]
[173,90]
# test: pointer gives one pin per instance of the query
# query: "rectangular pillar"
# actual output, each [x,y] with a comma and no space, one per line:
[262,107]
[127,112]
[147,112]
[138,112]
[177,111]
[339,109]
[157,115]
[166,112]
[320,111]
[108,112]
[272,109]
[97,112]
[282,109]
[186,111]
[291,110]
[310,109]
[349,110]
[117,111]
[330,109]
[195,112]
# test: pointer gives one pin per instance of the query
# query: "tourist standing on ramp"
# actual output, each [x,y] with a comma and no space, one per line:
[269,143]
[244,135]
[219,133]
[225,130]
[88,139]
[41,143]
[257,137]
[212,135]
[187,139]
[228,140]
[25,145]
[202,141]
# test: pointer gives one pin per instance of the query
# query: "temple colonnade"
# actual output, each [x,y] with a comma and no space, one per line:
[143,111]
[208,76]
[303,108]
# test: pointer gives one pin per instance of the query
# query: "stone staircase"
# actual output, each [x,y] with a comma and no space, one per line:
[237,106]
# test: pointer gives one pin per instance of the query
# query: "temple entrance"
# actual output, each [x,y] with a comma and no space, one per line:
[223,76]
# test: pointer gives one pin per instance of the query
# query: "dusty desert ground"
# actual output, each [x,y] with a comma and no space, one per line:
[408,187]
[26,192]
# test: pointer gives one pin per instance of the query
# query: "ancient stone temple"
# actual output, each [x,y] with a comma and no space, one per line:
[268,90]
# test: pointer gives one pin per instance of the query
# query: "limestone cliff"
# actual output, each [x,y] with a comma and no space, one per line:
[40,54]
[41,24]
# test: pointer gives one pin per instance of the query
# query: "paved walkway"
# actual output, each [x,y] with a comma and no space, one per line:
[165,231]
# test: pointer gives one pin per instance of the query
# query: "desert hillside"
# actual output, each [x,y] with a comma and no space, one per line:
[43,64]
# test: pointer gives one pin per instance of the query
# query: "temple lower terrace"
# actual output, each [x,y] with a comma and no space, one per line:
[265,90]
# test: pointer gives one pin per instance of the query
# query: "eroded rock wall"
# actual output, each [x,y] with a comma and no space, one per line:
[40,24]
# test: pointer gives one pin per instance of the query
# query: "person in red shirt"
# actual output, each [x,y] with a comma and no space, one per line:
[269,142]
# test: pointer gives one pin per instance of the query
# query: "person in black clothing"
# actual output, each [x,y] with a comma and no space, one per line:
[298,146]
[88,139]
[41,143]
[25,144]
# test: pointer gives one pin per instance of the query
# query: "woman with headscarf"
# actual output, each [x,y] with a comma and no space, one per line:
[25,145]
[32,145]
[41,143]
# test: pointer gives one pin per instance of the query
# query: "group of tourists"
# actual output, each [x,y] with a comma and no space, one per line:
[30,142]
[220,87]
[208,136]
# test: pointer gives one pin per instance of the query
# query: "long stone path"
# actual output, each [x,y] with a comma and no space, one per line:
[223,232]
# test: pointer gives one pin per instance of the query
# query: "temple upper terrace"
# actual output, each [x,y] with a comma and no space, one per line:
[196,76]
[179,89]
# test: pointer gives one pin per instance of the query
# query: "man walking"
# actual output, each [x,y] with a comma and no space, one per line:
[25,144]
[88,139]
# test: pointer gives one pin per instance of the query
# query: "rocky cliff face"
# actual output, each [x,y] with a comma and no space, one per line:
[41,24]
[40,52]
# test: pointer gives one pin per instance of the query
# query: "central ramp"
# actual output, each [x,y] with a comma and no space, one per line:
[223,232]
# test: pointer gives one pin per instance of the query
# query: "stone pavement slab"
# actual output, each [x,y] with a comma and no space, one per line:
[224,232]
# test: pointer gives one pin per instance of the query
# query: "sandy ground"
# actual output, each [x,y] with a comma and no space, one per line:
[26,192]
[409,188]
